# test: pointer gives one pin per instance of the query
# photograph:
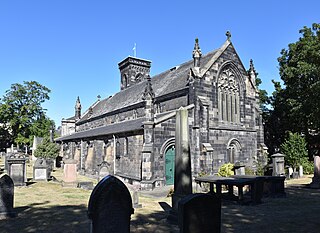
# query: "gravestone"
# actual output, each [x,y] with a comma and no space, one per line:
[110,207]
[278,164]
[41,170]
[104,170]
[6,196]
[316,173]
[70,173]
[200,213]
[135,197]
[17,169]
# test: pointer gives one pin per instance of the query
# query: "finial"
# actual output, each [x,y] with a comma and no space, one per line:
[99,97]
[196,53]
[78,104]
[228,34]
[252,66]
[148,89]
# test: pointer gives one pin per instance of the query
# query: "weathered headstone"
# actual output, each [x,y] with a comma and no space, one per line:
[41,170]
[135,197]
[17,169]
[278,164]
[300,171]
[200,213]
[316,173]
[104,170]
[70,173]
[6,196]
[110,207]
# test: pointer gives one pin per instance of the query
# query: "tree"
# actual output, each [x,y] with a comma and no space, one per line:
[295,150]
[294,105]
[300,72]
[47,149]
[22,114]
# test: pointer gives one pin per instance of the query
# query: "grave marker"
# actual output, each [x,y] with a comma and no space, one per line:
[200,213]
[6,196]
[17,169]
[41,170]
[110,207]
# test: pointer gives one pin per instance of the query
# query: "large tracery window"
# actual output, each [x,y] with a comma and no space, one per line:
[228,95]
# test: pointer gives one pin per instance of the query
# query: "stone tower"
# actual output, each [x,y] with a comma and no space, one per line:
[133,70]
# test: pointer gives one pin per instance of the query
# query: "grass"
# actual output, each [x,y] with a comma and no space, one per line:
[49,207]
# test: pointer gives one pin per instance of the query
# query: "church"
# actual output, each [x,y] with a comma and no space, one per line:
[132,133]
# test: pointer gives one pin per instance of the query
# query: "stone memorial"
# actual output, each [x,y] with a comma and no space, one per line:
[135,197]
[278,164]
[182,169]
[17,169]
[6,196]
[104,170]
[70,173]
[110,207]
[41,171]
[200,213]
[316,173]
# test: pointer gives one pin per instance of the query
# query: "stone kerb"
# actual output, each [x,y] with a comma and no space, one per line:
[200,213]
[6,196]
[110,207]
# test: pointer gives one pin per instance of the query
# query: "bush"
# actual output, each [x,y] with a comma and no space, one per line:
[226,170]
[295,150]
[308,166]
[47,149]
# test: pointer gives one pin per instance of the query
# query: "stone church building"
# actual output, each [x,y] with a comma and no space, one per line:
[132,133]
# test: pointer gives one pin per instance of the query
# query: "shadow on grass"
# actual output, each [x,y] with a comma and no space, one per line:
[34,218]
[153,222]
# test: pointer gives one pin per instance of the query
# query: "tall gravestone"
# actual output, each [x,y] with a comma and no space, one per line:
[316,174]
[17,169]
[200,213]
[110,207]
[6,196]
[182,167]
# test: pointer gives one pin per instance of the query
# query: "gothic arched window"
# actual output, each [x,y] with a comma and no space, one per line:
[228,96]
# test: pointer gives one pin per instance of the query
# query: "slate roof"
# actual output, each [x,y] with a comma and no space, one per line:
[164,83]
[121,127]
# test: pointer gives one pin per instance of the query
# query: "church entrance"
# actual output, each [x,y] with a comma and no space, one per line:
[170,156]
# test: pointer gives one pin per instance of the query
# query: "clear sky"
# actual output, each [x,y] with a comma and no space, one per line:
[74,46]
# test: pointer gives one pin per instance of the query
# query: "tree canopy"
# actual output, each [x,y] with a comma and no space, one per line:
[296,105]
[47,149]
[22,114]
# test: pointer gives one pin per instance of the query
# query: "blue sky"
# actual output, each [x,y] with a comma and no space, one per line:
[74,46]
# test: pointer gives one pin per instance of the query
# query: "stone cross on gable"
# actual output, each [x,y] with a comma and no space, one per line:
[228,34]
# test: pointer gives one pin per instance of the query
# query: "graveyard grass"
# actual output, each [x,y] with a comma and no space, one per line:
[49,207]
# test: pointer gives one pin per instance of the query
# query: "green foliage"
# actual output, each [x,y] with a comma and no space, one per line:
[295,150]
[21,113]
[249,171]
[47,149]
[226,170]
[308,166]
[296,106]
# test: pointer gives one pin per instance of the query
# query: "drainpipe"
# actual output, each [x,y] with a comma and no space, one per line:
[114,154]
[81,155]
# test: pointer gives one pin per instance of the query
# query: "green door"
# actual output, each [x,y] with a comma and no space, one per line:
[170,166]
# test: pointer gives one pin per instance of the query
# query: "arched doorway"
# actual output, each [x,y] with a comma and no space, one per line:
[169,166]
